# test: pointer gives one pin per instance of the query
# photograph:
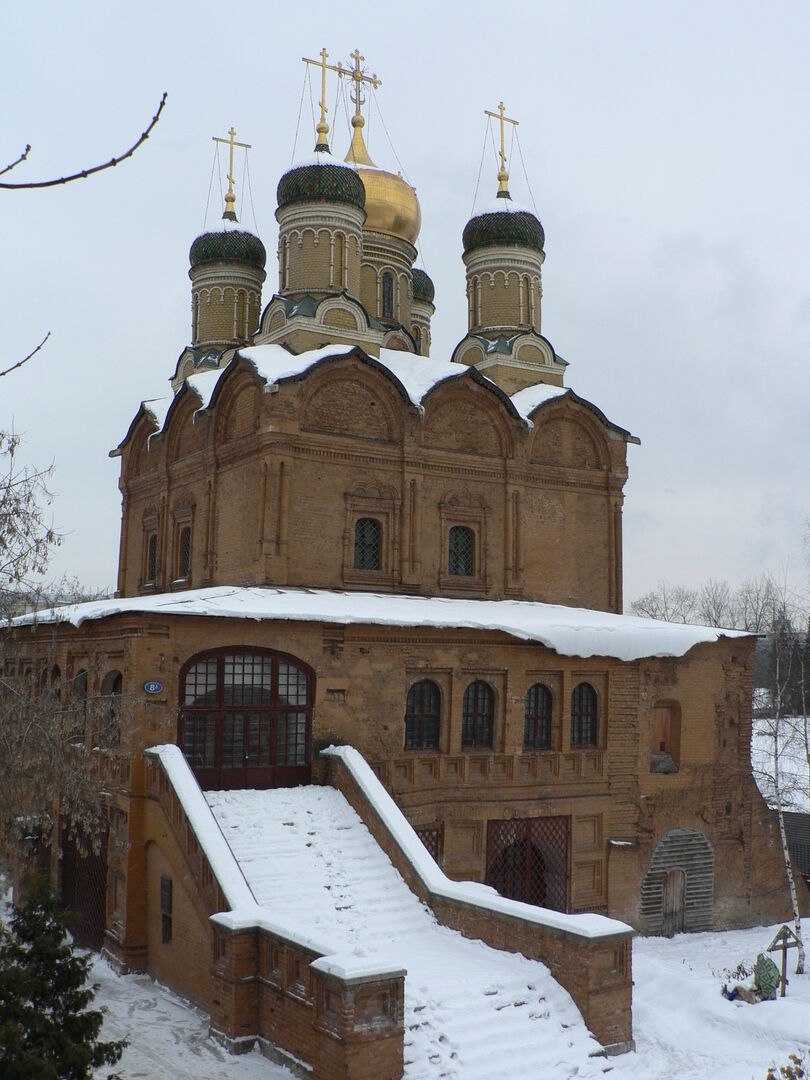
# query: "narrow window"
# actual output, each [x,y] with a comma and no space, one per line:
[537,725]
[111,689]
[165,910]
[387,295]
[417,338]
[477,717]
[185,552]
[422,716]
[665,749]
[461,551]
[367,544]
[584,716]
[151,559]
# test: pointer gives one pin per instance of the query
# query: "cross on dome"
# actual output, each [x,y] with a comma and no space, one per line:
[503,175]
[230,198]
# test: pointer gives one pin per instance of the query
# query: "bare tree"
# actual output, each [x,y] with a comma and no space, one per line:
[672,603]
[716,604]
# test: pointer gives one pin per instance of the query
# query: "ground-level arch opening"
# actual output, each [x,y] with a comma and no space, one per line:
[245,718]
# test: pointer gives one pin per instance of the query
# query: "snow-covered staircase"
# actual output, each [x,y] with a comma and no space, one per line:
[471,1012]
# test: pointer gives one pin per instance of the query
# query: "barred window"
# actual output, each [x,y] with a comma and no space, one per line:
[387,295]
[478,717]
[461,553]
[367,544]
[184,567]
[422,716]
[537,723]
[151,559]
[165,910]
[584,716]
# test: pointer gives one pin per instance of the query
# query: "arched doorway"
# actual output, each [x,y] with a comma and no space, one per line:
[677,890]
[527,859]
[246,718]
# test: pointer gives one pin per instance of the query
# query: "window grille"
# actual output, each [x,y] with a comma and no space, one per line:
[537,724]
[527,859]
[584,716]
[432,839]
[461,553]
[367,544]
[388,296]
[151,559]
[185,552]
[165,910]
[422,716]
[478,717]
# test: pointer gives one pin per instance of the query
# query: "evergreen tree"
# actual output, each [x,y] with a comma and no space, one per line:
[47,1031]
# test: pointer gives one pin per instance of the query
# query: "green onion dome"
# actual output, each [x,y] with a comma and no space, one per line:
[321,179]
[230,244]
[503,222]
[423,287]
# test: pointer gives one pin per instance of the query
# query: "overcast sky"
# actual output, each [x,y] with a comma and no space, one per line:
[667,150]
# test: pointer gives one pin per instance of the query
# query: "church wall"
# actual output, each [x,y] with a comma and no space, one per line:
[543,504]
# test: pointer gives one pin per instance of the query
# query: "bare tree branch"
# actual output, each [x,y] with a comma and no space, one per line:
[96,168]
[25,359]
[19,161]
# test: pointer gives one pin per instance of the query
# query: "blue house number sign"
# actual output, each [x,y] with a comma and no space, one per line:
[153,686]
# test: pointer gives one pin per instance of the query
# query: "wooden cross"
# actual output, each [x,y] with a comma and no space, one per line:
[230,198]
[322,127]
[503,175]
[784,940]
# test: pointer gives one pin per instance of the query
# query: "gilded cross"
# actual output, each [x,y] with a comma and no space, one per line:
[323,127]
[358,74]
[503,175]
[230,197]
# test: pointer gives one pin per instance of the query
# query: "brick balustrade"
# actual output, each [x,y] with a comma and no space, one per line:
[596,969]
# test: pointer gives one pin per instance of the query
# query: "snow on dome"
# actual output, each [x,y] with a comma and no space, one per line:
[503,206]
[321,157]
[568,631]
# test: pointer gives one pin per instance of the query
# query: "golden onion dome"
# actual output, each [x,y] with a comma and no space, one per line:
[391,203]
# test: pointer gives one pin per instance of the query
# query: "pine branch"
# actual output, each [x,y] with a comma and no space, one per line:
[96,168]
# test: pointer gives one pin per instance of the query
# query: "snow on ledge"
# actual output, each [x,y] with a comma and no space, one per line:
[467,892]
[206,829]
[568,631]
[351,967]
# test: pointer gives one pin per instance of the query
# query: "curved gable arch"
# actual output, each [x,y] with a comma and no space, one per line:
[565,434]
[467,414]
[350,397]
[185,434]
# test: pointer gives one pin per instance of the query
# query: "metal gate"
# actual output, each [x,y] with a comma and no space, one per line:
[84,891]
[527,859]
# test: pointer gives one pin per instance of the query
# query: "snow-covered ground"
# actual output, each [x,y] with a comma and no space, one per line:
[684,1028]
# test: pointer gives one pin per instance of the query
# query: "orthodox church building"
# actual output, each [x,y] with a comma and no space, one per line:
[332,538]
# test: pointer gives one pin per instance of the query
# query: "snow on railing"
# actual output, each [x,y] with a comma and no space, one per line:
[436,881]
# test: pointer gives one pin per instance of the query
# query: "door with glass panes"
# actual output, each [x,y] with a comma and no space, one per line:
[246,718]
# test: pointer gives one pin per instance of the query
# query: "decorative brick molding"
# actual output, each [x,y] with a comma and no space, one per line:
[344,1020]
[595,967]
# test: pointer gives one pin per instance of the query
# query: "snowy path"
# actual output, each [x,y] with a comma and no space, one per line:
[310,860]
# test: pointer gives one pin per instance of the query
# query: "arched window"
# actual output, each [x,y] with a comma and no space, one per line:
[246,718]
[111,689]
[537,723]
[367,544]
[461,551]
[151,559]
[417,338]
[478,717]
[338,261]
[422,716]
[584,716]
[184,554]
[387,295]
[78,707]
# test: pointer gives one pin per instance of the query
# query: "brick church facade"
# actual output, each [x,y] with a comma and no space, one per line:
[328,537]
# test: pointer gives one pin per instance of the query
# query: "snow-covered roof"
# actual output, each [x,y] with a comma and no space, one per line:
[318,157]
[568,631]
[503,206]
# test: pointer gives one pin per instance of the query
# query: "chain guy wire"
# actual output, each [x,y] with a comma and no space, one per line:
[300,107]
[250,194]
[526,174]
[480,168]
[311,102]
[390,141]
[210,184]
